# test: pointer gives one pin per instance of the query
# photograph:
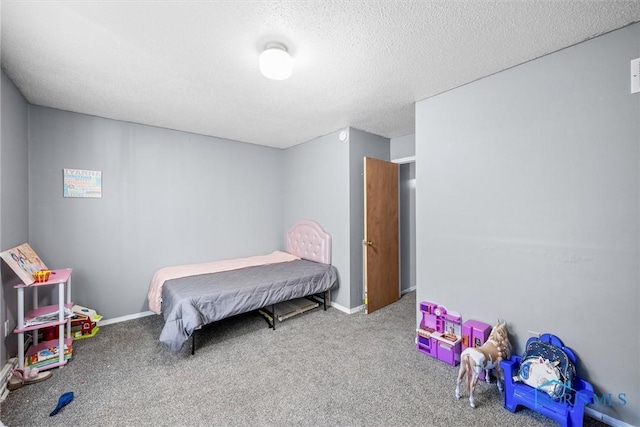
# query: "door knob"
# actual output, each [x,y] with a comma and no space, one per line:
[367,242]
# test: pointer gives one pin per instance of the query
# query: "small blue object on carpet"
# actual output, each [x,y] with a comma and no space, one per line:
[63,401]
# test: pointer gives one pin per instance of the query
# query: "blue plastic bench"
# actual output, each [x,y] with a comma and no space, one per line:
[567,413]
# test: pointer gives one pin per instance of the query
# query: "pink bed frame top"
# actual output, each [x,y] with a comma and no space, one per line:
[306,239]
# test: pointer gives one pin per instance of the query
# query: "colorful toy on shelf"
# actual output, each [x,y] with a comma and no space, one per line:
[439,334]
[486,357]
[41,276]
[49,333]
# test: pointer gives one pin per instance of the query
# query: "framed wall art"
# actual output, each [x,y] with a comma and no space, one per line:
[82,183]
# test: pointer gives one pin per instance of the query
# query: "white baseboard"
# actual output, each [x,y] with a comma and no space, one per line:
[125,318]
[345,309]
[5,374]
[590,412]
[361,307]
[150,313]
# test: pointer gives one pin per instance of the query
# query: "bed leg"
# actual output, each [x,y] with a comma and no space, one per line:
[273,313]
[324,300]
[193,343]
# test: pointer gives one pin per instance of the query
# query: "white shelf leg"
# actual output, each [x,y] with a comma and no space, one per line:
[69,302]
[20,326]
[35,297]
[61,318]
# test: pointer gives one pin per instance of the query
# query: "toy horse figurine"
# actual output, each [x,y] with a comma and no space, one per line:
[474,360]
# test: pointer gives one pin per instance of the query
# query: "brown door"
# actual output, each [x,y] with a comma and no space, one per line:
[381,269]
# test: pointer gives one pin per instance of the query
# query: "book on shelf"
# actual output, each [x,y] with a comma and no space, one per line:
[47,355]
[46,362]
[24,261]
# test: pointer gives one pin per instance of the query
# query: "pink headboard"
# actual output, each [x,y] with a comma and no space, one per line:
[306,239]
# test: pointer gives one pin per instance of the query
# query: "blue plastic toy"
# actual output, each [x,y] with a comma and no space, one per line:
[64,400]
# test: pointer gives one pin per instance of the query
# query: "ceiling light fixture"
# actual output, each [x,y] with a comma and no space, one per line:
[275,62]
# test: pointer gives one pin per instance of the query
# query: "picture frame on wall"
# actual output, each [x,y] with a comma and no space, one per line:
[82,183]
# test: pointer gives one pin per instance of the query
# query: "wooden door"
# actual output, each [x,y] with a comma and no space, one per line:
[381,263]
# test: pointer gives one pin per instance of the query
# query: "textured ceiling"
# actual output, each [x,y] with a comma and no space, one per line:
[193,65]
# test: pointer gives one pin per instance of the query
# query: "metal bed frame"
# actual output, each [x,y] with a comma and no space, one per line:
[269,314]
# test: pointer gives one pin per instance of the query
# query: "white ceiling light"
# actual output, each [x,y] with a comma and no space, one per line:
[275,62]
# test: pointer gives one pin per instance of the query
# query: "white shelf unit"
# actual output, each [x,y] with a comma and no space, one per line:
[62,278]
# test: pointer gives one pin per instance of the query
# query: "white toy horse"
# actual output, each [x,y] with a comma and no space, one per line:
[474,360]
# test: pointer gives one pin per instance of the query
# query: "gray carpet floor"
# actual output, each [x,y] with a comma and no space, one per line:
[321,368]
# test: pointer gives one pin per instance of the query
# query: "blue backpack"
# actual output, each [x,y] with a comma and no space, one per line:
[549,366]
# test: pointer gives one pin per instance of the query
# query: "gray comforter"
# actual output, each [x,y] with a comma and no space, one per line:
[191,302]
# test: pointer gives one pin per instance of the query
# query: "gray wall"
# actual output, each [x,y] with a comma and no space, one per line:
[324,182]
[14,201]
[316,176]
[403,146]
[361,144]
[528,206]
[168,198]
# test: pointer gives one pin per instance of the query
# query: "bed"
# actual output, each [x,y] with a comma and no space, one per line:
[192,296]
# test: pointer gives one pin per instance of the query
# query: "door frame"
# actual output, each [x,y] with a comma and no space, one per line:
[399,161]
[403,161]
